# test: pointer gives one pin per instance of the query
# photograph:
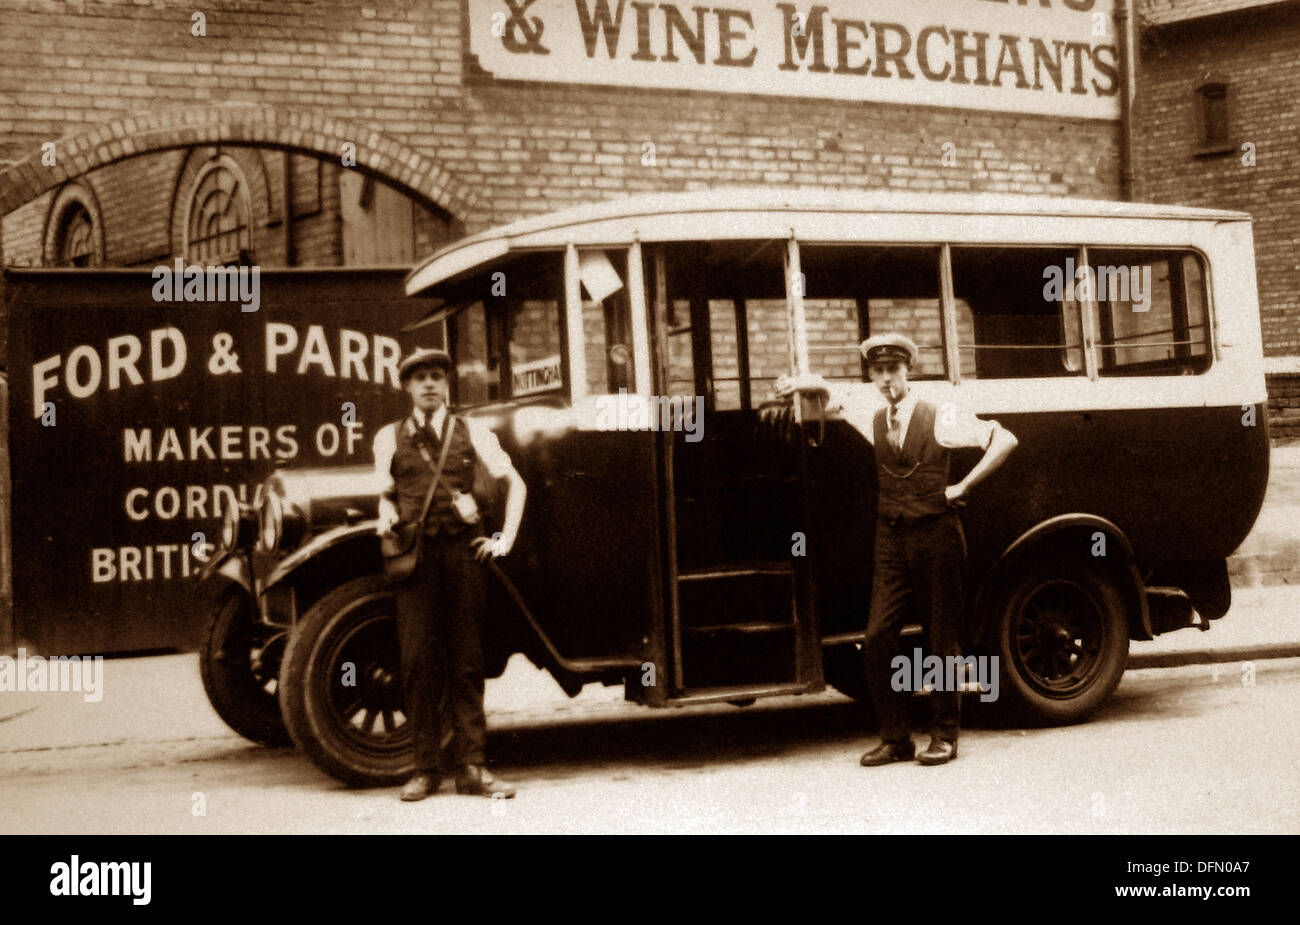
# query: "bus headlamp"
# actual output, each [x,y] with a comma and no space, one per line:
[238,525]
[270,521]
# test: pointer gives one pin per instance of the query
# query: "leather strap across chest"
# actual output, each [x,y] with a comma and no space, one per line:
[428,457]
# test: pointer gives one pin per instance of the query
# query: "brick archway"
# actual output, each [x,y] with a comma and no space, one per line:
[237,124]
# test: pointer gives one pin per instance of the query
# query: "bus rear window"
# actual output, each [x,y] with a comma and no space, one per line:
[1151,314]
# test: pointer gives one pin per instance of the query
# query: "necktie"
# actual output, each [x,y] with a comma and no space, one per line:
[895,431]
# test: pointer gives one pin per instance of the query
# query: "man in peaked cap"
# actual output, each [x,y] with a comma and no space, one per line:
[920,550]
[440,605]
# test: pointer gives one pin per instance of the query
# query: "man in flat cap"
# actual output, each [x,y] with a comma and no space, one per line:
[920,550]
[440,605]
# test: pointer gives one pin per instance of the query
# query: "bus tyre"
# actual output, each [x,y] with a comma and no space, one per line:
[341,686]
[1062,642]
[239,664]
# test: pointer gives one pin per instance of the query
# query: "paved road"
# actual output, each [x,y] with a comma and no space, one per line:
[1179,750]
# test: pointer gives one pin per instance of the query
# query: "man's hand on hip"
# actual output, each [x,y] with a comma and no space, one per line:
[494,547]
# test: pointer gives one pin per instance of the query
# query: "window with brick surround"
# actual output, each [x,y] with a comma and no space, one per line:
[76,246]
[1212,113]
[217,229]
[1010,325]
[73,235]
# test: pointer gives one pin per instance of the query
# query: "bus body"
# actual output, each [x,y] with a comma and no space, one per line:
[694,537]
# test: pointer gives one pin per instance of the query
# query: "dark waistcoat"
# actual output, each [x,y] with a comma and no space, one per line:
[913,479]
[412,475]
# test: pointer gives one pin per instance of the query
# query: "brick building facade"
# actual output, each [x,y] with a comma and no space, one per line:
[106,80]
[1217,124]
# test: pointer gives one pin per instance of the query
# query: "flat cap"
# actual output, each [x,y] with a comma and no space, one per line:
[890,347]
[423,356]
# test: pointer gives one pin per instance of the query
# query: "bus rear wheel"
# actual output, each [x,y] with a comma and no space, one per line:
[341,686]
[1062,642]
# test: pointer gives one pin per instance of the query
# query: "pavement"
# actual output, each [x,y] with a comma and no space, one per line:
[1270,555]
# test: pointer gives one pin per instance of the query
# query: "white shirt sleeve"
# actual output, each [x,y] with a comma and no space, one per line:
[488,448]
[860,415]
[384,446]
[956,428]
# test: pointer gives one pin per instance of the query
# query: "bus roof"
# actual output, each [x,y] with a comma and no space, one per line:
[727,211]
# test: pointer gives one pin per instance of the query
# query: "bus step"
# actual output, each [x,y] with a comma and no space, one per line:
[755,626]
[774,568]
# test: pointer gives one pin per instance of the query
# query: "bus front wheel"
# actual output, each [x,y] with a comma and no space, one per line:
[341,690]
[1062,642]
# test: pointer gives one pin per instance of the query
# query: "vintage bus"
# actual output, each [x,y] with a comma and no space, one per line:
[696,539]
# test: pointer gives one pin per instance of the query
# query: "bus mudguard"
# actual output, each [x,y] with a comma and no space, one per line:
[347,533]
[1118,555]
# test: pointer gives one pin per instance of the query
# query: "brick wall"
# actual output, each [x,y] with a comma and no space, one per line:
[1284,407]
[1255,54]
[398,68]
[143,203]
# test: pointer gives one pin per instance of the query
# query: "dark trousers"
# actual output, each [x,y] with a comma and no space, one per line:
[439,609]
[921,564]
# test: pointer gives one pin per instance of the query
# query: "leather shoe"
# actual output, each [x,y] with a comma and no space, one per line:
[420,786]
[475,780]
[887,753]
[939,751]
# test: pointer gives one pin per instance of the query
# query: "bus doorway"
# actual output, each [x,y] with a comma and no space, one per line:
[739,606]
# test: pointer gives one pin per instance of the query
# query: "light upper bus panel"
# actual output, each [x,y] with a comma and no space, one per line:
[1018,288]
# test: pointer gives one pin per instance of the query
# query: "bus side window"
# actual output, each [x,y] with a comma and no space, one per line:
[854,291]
[1150,311]
[605,322]
[726,354]
[766,323]
[475,383]
[721,321]
[1021,323]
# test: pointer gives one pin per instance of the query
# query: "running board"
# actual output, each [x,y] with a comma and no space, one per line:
[844,639]
[774,568]
[726,694]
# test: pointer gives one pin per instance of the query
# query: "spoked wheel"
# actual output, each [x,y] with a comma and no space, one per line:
[239,662]
[1063,642]
[341,686]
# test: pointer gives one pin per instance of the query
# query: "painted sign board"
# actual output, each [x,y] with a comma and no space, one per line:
[132,417]
[1050,57]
